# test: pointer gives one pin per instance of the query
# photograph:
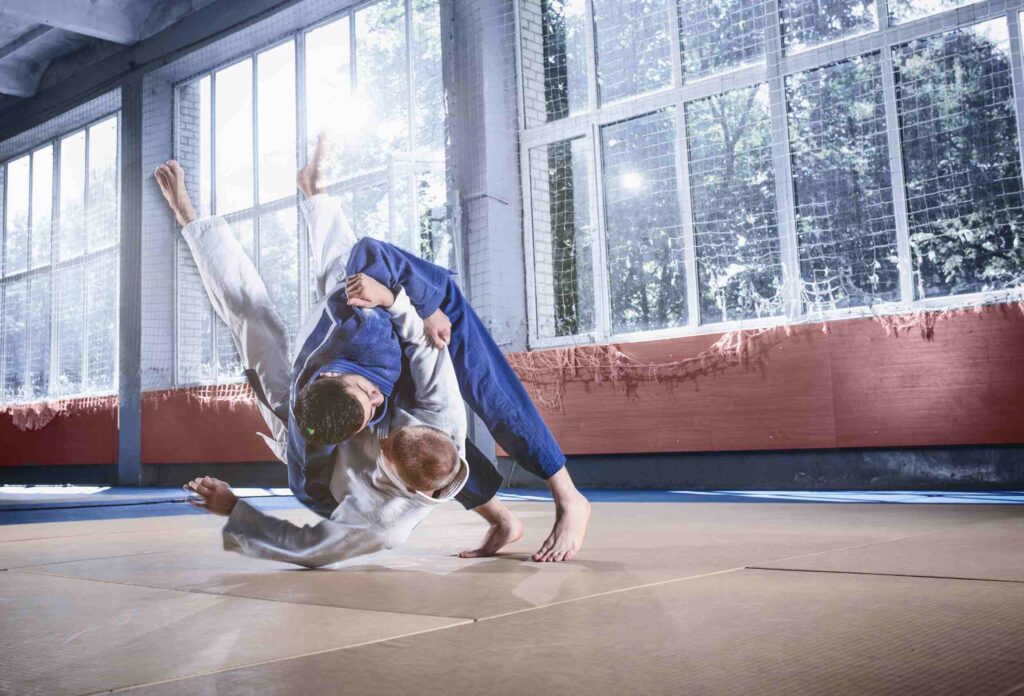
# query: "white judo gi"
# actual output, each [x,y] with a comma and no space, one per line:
[376,511]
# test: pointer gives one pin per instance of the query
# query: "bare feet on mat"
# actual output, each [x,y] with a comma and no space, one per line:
[308,178]
[570,528]
[572,514]
[499,535]
[171,178]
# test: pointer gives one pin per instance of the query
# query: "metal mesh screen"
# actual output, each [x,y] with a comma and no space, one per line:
[59,279]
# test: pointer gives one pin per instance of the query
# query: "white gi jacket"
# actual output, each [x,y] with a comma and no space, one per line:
[376,510]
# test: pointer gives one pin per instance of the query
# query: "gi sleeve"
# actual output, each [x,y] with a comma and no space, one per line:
[436,388]
[254,533]
[425,283]
[331,239]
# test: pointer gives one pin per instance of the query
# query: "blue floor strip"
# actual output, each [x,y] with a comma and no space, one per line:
[20,505]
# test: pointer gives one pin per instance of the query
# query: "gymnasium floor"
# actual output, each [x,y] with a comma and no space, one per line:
[675,593]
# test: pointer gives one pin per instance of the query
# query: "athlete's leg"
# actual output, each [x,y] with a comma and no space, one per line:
[495,393]
[331,237]
[239,297]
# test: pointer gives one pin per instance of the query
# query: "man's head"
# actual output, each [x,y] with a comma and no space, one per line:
[333,408]
[424,458]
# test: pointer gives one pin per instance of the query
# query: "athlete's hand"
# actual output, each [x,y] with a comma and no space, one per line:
[364,291]
[438,329]
[217,496]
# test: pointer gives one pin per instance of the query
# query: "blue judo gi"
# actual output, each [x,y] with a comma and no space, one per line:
[488,383]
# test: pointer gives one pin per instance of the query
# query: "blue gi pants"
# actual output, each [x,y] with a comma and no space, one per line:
[488,383]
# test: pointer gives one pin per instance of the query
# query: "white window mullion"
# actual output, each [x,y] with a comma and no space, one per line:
[899,198]
[85,276]
[52,383]
[300,161]
[1017,69]
[788,249]
[599,245]
[591,44]
[683,194]
[214,359]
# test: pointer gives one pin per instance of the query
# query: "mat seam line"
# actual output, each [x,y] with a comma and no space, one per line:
[462,622]
[1013,690]
[223,595]
[886,575]
[91,558]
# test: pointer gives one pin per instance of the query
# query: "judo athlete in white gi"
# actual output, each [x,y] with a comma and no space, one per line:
[387,477]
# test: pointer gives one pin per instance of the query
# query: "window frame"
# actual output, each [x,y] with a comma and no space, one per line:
[362,180]
[52,268]
[772,72]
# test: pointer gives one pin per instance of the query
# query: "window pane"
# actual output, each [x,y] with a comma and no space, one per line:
[634,47]
[843,191]
[807,23]
[193,139]
[16,229]
[732,184]
[194,322]
[718,36]
[42,205]
[436,242]
[71,241]
[369,212]
[382,84]
[70,330]
[428,107]
[644,230]
[329,106]
[907,10]
[276,98]
[103,223]
[39,337]
[962,161]
[279,263]
[233,137]
[554,58]
[403,233]
[15,336]
[229,364]
[101,323]
[562,238]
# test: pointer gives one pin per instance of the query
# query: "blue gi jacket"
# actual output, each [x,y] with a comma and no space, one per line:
[345,339]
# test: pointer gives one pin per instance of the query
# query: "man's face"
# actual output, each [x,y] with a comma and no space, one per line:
[365,392]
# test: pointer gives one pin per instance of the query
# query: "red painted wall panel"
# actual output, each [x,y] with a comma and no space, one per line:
[88,437]
[176,428]
[852,387]
[855,386]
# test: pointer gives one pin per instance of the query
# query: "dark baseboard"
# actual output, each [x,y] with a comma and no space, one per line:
[85,474]
[246,474]
[928,468]
[932,468]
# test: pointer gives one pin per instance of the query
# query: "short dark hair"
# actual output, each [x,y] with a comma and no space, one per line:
[425,457]
[327,413]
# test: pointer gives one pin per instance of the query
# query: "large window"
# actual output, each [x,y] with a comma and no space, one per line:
[60,267]
[370,81]
[698,165]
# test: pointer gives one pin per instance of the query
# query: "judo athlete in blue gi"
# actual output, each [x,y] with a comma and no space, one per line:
[329,408]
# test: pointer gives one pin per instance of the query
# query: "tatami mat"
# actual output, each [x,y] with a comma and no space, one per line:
[984,551]
[628,545]
[742,632]
[658,602]
[62,636]
[32,552]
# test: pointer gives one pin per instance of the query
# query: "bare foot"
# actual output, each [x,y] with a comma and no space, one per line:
[308,178]
[499,535]
[171,178]
[572,514]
